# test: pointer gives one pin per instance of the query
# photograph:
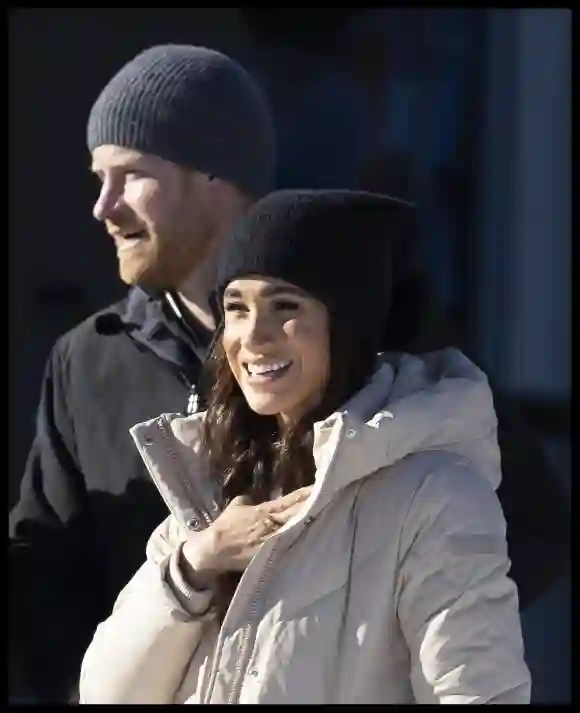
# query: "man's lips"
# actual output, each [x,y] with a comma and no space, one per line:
[129,240]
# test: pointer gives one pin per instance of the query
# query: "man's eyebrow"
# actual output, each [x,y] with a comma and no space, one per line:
[127,165]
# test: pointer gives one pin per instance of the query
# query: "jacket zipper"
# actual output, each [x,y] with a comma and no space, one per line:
[192,405]
[244,645]
[199,511]
[193,400]
[193,396]
[243,657]
[198,508]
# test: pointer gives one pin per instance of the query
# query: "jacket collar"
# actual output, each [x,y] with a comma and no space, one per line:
[440,401]
[148,321]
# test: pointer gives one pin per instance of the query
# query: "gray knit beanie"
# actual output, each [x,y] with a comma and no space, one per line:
[193,106]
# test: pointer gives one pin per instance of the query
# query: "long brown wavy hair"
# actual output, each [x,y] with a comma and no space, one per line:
[251,454]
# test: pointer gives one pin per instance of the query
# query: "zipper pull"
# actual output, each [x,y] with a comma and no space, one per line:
[192,402]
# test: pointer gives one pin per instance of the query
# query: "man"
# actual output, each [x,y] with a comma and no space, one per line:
[182,141]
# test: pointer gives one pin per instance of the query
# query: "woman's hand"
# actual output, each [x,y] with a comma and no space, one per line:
[233,539]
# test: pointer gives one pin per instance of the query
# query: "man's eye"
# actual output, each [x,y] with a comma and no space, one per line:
[234,307]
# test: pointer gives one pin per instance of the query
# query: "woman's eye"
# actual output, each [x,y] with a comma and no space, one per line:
[286,306]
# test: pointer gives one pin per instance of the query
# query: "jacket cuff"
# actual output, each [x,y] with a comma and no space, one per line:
[196,602]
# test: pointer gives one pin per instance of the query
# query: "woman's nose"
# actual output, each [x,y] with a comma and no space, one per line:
[260,331]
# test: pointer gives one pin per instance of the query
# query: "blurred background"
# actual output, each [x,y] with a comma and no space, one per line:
[466,111]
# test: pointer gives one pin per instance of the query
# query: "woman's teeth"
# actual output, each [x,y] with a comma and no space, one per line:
[271,368]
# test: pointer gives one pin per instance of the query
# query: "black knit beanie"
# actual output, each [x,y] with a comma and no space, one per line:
[338,245]
[193,106]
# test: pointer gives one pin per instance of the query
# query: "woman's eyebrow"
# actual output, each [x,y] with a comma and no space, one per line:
[269,291]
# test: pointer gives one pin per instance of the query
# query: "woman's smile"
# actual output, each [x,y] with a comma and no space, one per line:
[264,373]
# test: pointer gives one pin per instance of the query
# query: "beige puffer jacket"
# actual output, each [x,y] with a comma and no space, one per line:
[389,587]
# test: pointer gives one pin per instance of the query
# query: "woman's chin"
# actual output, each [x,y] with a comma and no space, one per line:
[264,407]
[268,405]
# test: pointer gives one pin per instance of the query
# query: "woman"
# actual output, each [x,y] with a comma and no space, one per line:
[334,534]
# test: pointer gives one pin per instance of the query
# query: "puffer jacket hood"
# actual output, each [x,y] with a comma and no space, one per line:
[437,401]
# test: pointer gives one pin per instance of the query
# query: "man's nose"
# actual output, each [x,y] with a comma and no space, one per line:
[107,203]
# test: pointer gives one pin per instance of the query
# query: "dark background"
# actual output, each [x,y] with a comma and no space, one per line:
[466,111]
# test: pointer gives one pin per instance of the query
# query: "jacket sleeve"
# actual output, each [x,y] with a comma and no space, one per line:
[143,651]
[457,607]
[54,596]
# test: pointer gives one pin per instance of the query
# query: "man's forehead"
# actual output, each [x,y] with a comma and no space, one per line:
[110,156]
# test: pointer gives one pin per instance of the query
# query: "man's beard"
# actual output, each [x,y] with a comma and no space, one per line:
[170,261]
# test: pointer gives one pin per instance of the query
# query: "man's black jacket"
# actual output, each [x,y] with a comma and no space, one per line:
[87,505]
